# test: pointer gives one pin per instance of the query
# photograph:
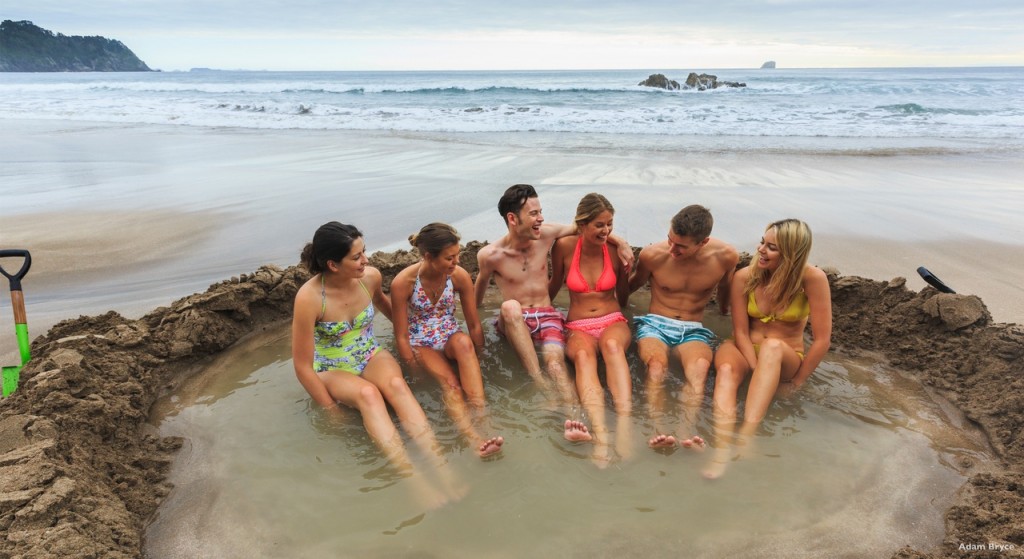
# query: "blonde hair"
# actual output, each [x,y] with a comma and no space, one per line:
[590,207]
[793,237]
[434,238]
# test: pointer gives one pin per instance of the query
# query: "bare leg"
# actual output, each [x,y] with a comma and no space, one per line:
[518,335]
[614,341]
[731,368]
[654,353]
[775,360]
[696,360]
[440,368]
[460,347]
[582,349]
[554,362]
[384,372]
[359,393]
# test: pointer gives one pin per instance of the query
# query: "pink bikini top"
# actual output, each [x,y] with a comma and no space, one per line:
[578,284]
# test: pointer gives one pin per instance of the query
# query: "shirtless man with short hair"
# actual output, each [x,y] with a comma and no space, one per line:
[518,262]
[684,272]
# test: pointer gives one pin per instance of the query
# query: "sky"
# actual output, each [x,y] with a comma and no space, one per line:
[543,34]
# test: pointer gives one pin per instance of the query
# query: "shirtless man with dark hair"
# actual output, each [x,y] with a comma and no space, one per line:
[518,262]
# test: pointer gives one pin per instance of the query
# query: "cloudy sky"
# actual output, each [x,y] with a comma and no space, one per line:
[543,34]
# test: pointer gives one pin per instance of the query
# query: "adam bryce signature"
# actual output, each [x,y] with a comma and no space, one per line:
[987,547]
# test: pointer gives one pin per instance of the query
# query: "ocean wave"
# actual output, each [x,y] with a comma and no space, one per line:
[916,109]
[877,104]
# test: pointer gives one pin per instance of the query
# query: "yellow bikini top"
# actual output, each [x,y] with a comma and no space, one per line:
[798,310]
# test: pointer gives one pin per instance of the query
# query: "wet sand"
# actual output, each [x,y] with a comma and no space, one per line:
[80,469]
[131,217]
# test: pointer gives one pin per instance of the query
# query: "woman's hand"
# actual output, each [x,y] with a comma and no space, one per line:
[786,389]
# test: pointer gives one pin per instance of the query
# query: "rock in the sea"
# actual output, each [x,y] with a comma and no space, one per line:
[770,65]
[660,81]
[701,82]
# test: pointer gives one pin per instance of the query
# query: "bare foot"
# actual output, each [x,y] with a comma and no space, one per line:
[602,455]
[490,447]
[718,463]
[662,441]
[428,497]
[714,469]
[694,443]
[577,432]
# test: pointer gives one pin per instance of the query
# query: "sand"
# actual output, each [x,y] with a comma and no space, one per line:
[151,214]
[131,217]
[81,473]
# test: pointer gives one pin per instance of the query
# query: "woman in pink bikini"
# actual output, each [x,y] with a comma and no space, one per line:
[780,292]
[598,287]
[428,335]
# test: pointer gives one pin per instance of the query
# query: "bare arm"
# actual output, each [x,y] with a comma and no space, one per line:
[556,230]
[557,268]
[641,274]
[401,291]
[740,320]
[723,295]
[819,297]
[483,277]
[380,299]
[622,290]
[304,316]
[622,247]
[464,285]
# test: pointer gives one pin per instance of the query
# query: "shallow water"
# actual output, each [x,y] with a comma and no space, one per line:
[859,464]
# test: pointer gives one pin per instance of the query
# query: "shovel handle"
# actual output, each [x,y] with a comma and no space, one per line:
[15,279]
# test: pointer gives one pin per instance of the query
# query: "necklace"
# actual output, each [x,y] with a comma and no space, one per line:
[431,290]
[526,260]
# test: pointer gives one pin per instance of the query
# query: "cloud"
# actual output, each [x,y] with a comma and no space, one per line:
[534,33]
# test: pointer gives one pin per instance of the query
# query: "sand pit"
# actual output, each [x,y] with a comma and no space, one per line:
[81,472]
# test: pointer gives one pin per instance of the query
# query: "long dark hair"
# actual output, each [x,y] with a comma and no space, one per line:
[332,241]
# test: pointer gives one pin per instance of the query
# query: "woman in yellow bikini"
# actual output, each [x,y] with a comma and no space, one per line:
[780,293]
[337,358]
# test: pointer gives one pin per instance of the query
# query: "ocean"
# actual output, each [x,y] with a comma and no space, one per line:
[134,189]
[869,108]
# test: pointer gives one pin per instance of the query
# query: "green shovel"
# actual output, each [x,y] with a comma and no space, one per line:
[12,372]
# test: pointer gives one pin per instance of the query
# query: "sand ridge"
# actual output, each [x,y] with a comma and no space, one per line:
[81,472]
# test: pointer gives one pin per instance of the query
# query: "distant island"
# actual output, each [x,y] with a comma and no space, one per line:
[25,47]
[768,65]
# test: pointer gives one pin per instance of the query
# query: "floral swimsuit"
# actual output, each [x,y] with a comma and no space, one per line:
[432,324]
[342,345]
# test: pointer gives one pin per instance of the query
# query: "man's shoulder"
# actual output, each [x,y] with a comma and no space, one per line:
[490,250]
[723,251]
[653,252]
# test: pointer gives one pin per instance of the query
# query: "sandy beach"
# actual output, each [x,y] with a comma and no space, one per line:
[132,217]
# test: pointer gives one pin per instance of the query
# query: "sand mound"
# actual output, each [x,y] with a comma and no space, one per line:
[81,472]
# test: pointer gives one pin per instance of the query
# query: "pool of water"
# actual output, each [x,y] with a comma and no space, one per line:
[860,463]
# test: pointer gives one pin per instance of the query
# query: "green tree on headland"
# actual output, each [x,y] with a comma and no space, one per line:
[25,47]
